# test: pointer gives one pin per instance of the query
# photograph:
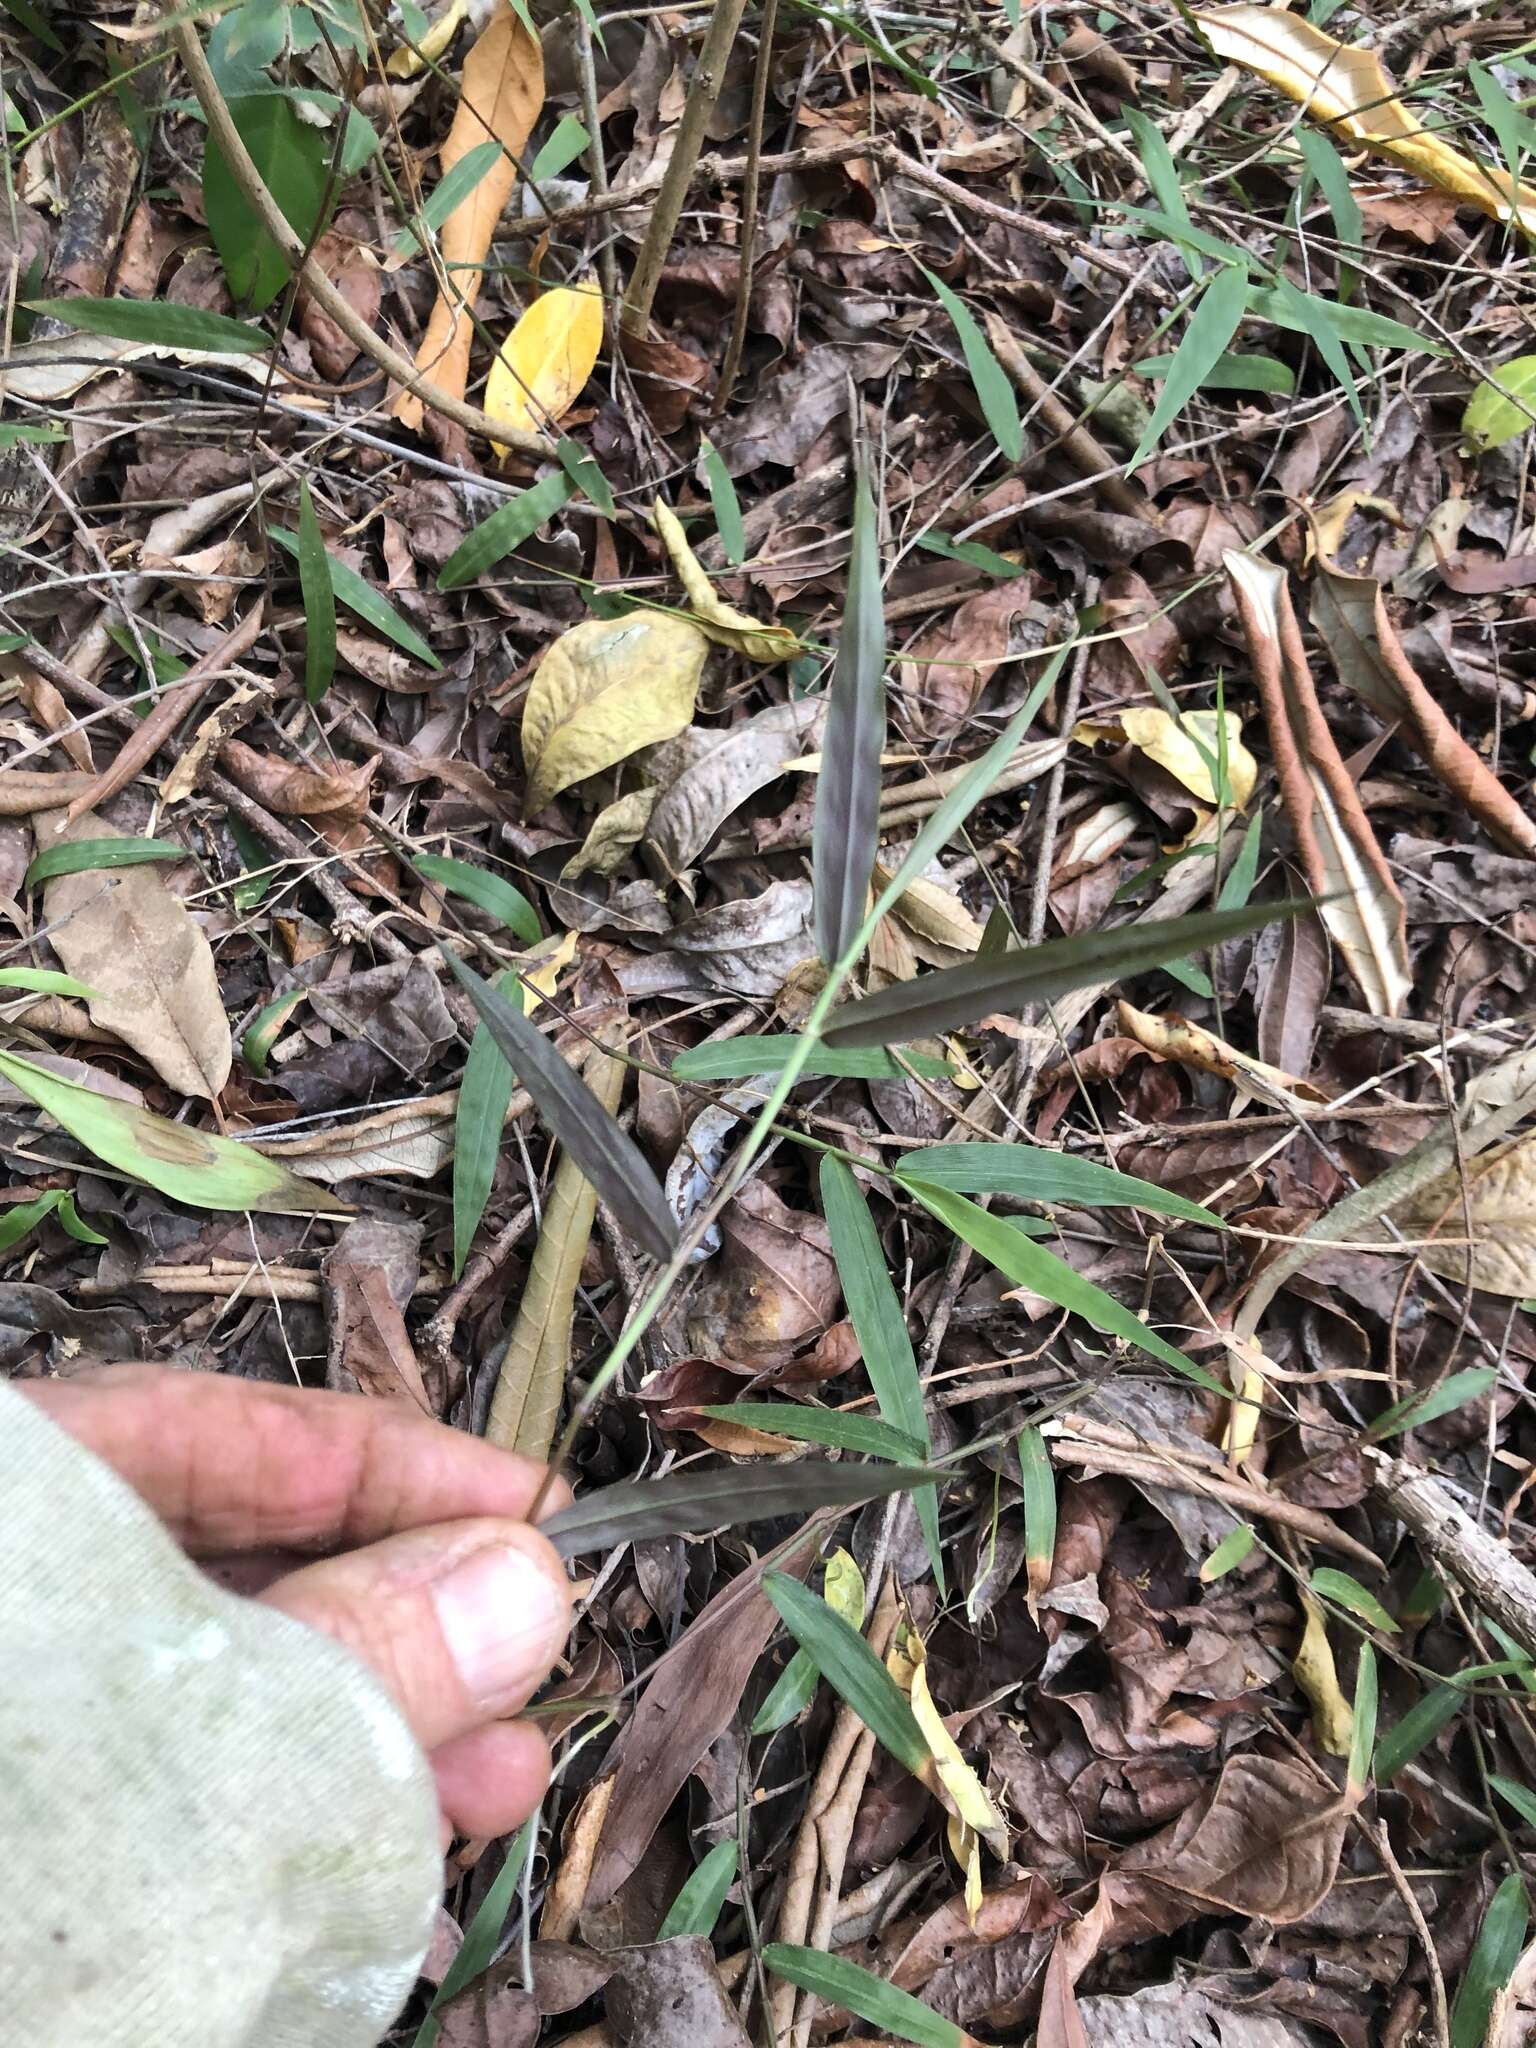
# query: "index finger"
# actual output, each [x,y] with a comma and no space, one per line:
[231,1464]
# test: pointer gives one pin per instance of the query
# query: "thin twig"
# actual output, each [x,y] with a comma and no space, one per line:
[749,206]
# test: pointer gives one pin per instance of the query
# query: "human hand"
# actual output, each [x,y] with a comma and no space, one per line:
[431,1575]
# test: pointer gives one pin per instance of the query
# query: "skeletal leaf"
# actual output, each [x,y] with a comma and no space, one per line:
[500,96]
[542,365]
[1186,747]
[147,961]
[526,1404]
[613,832]
[191,1166]
[605,689]
[1349,90]
[721,621]
[1502,405]
[1362,906]
[720,771]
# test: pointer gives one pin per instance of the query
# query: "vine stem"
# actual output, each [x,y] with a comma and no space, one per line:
[252,185]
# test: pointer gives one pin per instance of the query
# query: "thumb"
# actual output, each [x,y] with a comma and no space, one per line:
[462,1621]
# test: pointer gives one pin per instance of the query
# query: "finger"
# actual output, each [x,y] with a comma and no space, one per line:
[462,1622]
[233,1464]
[489,1781]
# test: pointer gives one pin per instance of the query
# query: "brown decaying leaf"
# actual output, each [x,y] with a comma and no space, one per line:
[669,1995]
[534,1368]
[1362,906]
[1175,1038]
[1500,1207]
[1349,613]
[123,934]
[946,669]
[501,96]
[774,1287]
[295,790]
[370,1277]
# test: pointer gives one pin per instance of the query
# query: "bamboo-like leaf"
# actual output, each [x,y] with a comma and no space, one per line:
[1520,1797]
[83,856]
[830,1426]
[740,1059]
[1502,405]
[1030,1265]
[319,601]
[1454,1391]
[1355,324]
[585,473]
[191,1166]
[565,142]
[880,2004]
[1434,1711]
[43,981]
[994,393]
[1039,1488]
[936,1003]
[260,1034]
[489,892]
[844,1591]
[697,1906]
[507,528]
[449,192]
[606,1154]
[727,506]
[159,323]
[1362,1740]
[1211,326]
[845,835]
[22,1217]
[1492,1963]
[691,1503]
[1035,1174]
[1232,372]
[1228,1554]
[880,1324]
[851,1668]
[479,1119]
[537,1361]
[1348,1592]
[360,597]
[1162,173]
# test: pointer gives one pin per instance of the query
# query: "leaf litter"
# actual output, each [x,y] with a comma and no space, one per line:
[866,929]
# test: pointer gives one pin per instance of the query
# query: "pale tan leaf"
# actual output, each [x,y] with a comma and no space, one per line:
[1176,746]
[1501,1205]
[935,914]
[501,96]
[1349,90]
[124,934]
[531,1384]
[546,359]
[613,832]
[1175,1038]
[1362,906]
[718,619]
[717,771]
[605,689]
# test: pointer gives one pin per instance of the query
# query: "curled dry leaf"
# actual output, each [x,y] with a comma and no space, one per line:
[1350,91]
[1361,904]
[946,669]
[751,946]
[774,1288]
[1368,656]
[721,621]
[936,916]
[719,771]
[295,790]
[501,96]
[1175,1038]
[141,952]
[1186,747]
[613,832]
[546,359]
[605,689]
[370,1277]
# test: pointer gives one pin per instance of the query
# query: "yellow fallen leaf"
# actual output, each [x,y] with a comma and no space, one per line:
[545,360]
[1181,746]
[1314,1670]
[843,1587]
[1349,90]
[1246,1362]
[406,62]
[614,831]
[553,957]
[500,96]
[604,690]
[718,619]
[972,1816]
[934,914]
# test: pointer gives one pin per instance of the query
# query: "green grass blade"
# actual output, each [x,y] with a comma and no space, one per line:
[481,1115]
[879,2004]
[745,1058]
[1413,1412]
[727,506]
[507,528]
[851,1668]
[697,1906]
[360,597]
[845,833]
[1228,1554]
[1349,1593]
[84,856]
[1362,1739]
[450,192]
[1500,1940]
[319,595]
[488,892]
[994,393]
[1035,1174]
[157,322]
[829,1426]
[1210,327]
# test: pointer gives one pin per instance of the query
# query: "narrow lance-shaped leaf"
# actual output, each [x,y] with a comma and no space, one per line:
[1039,1488]
[852,1669]
[876,2002]
[697,1906]
[449,192]
[359,596]
[159,324]
[1348,1592]
[881,1327]
[690,1503]
[745,1058]
[1211,326]
[936,1003]
[489,892]
[1520,1797]
[830,1426]
[1228,1554]
[1362,1741]
[43,981]
[82,856]
[727,506]
[994,393]
[606,1153]
[319,601]
[485,1092]
[506,528]
[1492,1962]
[23,1217]
[1035,1174]
[844,1592]
[1454,1391]
[845,833]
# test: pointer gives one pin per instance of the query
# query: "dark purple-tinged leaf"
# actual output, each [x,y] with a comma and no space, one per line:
[687,1503]
[845,835]
[957,996]
[606,1154]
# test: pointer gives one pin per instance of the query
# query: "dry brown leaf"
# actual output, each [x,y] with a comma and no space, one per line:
[370,1277]
[296,790]
[605,689]
[52,713]
[1265,1843]
[773,1288]
[934,914]
[1175,1038]
[947,668]
[1368,657]
[1344,866]
[124,934]
[1350,91]
[1501,1207]
[501,96]
[537,1360]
